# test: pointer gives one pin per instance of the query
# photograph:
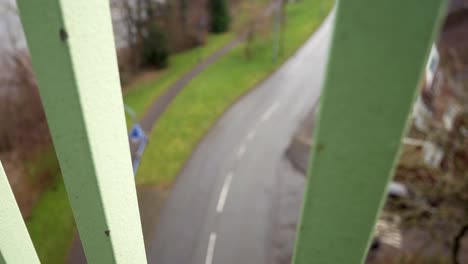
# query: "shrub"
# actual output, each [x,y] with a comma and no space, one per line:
[155,49]
[219,16]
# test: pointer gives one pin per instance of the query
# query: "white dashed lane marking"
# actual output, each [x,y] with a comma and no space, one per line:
[270,111]
[227,181]
[241,151]
[224,193]
[210,250]
[251,135]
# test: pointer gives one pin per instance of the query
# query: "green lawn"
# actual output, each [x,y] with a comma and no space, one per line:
[208,95]
[140,96]
[51,225]
[51,222]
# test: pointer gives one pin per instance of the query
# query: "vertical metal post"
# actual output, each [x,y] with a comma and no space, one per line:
[15,243]
[277,29]
[73,54]
[378,53]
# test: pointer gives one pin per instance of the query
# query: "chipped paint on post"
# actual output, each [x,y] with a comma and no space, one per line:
[73,55]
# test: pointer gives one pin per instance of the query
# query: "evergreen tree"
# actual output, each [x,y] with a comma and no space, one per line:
[155,51]
[220,18]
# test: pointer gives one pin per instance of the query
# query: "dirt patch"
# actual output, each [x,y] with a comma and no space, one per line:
[151,200]
[25,195]
[29,175]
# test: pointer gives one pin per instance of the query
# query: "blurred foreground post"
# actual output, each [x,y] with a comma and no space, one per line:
[378,53]
[15,243]
[73,55]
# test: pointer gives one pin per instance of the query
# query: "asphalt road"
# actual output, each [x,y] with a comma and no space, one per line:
[221,208]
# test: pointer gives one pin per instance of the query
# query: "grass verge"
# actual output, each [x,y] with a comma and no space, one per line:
[140,95]
[208,95]
[51,225]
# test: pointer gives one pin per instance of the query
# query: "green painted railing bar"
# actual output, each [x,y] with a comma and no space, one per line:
[73,55]
[377,56]
[15,243]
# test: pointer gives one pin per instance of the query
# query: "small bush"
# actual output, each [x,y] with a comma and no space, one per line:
[155,49]
[219,16]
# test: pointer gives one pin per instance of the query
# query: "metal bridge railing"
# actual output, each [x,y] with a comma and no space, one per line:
[377,57]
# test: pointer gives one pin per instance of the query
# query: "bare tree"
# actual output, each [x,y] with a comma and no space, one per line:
[254,21]
[23,118]
[439,200]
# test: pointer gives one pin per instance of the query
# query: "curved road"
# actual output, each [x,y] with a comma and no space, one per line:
[220,209]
